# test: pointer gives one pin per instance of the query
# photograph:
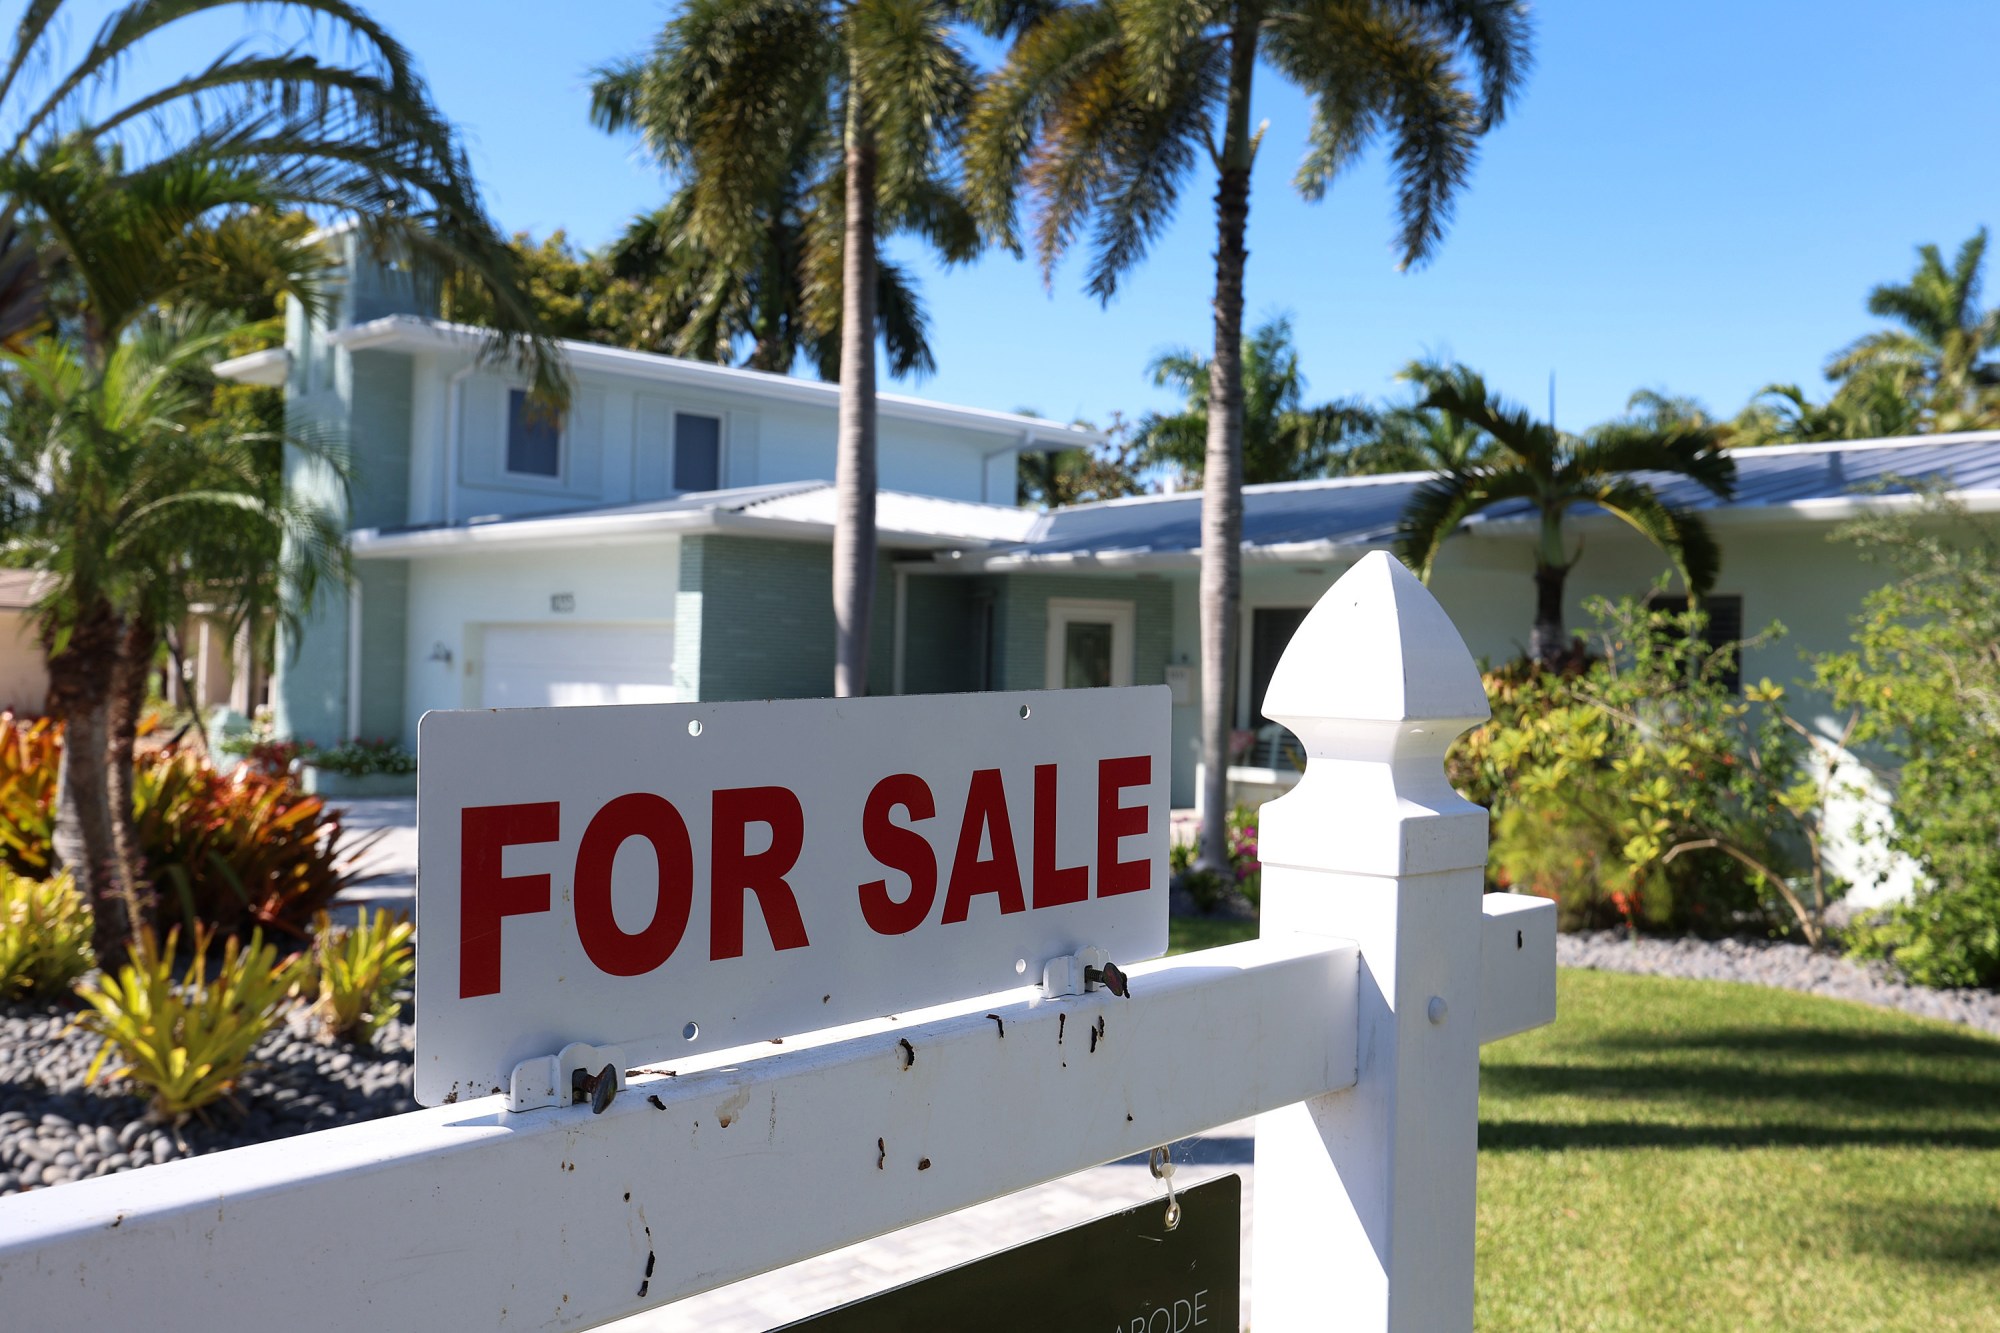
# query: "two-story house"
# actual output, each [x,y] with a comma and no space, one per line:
[667,537]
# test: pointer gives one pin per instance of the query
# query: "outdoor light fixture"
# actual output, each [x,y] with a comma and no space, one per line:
[439,653]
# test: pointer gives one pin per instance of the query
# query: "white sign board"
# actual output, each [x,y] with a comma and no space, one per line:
[672,878]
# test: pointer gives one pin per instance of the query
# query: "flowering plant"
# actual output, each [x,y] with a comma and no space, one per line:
[359,757]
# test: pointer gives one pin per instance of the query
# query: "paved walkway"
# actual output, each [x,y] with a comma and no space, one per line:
[389,869]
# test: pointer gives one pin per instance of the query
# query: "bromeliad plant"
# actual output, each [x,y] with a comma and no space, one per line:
[30,751]
[186,1042]
[362,972]
[44,935]
[240,849]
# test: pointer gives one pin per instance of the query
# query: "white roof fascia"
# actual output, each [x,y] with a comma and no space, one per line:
[556,530]
[268,369]
[1085,562]
[585,530]
[415,334]
[1829,509]
[1843,446]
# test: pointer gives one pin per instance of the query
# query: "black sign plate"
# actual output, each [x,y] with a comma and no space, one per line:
[1120,1274]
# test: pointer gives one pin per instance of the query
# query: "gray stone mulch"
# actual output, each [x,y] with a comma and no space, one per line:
[56,1128]
[1777,963]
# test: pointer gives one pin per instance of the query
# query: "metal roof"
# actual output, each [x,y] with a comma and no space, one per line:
[1797,481]
[1294,521]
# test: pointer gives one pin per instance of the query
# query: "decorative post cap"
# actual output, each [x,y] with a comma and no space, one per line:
[1377,684]
[1377,648]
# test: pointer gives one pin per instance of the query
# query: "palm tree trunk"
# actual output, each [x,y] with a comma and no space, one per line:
[1549,642]
[127,704]
[1222,470]
[854,470]
[80,677]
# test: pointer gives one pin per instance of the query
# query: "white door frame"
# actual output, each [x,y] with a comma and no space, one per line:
[1123,618]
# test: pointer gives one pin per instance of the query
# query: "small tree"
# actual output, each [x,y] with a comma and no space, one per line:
[1554,473]
[1924,675]
[1607,779]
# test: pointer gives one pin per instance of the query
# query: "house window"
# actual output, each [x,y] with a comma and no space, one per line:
[1271,628]
[1725,625]
[1089,644]
[697,452]
[534,437]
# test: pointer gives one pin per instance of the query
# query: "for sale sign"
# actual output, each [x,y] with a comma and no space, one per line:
[679,877]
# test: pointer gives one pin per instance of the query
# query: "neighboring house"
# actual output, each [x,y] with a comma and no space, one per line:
[24,681]
[669,540]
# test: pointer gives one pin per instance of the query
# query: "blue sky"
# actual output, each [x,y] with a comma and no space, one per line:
[1695,196]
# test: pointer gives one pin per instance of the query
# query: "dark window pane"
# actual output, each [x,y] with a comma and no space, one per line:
[1086,655]
[1725,625]
[534,438]
[1271,628]
[697,452]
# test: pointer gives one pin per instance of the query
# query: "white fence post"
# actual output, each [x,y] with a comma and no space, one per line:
[1365,1199]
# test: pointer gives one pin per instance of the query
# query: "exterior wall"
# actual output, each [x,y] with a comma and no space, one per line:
[360,404]
[754,620]
[614,446]
[384,588]
[24,682]
[452,600]
[1023,625]
[1795,574]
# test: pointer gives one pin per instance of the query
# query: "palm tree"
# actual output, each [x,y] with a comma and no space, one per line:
[264,124]
[1870,404]
[110,189]
[1553,473]
[1283,439]
[1104,106]
[1413,437]
[733,97]
[784,303]
[1944,354]
[122,498]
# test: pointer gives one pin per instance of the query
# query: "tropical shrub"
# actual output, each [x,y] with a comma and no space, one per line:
[1246,872]
[1924,676]
[44,935]
[361,973]
[1637,790]
[186,1042]
[237,850]
[30,755]
[358,758]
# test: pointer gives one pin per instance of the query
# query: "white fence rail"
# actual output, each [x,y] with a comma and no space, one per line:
[1354,1022]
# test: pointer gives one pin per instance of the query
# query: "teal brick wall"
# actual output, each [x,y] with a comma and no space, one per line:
[754,620]
[385,620]
[942,633]
[1022,625]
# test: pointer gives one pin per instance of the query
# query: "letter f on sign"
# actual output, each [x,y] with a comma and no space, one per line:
[485,896]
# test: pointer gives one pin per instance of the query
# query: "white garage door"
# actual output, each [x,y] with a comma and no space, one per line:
[569,665]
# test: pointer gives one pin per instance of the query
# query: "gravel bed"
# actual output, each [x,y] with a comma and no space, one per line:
[56,1128]
[1777,963]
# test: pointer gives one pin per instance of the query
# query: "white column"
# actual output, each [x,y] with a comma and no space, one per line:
[1365,1199]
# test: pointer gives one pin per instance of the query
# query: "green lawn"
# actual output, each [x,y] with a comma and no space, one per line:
[1682,1155]
[1695,1155]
